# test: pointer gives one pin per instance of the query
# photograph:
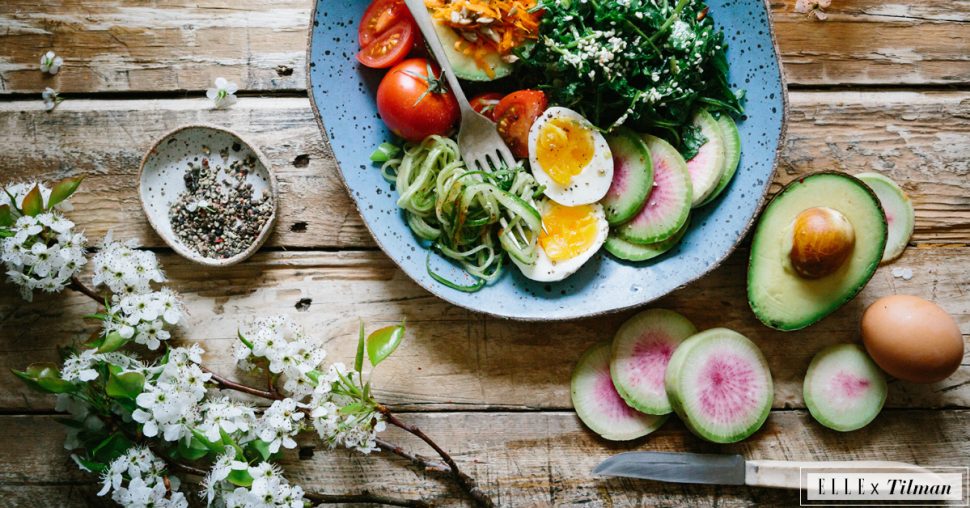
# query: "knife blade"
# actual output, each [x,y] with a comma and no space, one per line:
[675,467]
[732,469]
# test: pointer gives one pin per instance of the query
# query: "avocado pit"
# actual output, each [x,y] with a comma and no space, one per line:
[822,239]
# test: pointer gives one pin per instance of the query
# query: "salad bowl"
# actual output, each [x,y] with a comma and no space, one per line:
[342,95]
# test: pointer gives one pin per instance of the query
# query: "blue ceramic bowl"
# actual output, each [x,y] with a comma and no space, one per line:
[342,93]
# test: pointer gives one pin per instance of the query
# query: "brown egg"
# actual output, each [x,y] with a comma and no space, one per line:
[912,339]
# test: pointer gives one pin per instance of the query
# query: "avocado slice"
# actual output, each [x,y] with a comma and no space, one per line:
[464,66]
[781,297]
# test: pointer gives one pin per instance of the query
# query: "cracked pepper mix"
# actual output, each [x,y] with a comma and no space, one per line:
[219,215]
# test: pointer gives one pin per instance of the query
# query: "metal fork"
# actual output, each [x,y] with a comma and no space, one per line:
[479,142]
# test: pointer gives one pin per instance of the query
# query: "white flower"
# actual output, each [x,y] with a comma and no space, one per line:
[124,269]
[51,98]
[169,402]
[356,430]
[137,462]
[269,489]
[223,95]
[286,350]
[144,317]
[50,63]
[279,423]
[43,253]
[226,415]
[215,482]
[80,367]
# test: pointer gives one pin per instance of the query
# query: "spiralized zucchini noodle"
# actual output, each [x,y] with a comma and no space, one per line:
[472,217]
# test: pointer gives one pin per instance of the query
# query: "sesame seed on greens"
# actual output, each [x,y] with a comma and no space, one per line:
[647,64]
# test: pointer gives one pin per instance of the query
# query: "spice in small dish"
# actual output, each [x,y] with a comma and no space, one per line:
[219,215]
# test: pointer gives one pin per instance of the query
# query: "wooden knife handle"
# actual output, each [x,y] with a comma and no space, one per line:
[784,474]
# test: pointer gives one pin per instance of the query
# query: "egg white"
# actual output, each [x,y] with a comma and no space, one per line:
[547,270]
[592,183]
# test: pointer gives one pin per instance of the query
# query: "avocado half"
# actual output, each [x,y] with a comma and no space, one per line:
[465,66]
[780,297]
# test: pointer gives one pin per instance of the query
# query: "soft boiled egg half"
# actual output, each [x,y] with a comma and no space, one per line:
[570,235]
[569,157]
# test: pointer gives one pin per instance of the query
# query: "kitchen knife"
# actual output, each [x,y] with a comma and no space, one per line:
[731,469]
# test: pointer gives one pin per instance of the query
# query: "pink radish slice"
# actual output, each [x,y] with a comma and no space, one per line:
[668,203]
[722,386]
[599,405]
[707,166]
[632,176]
[844,389]
[642,347]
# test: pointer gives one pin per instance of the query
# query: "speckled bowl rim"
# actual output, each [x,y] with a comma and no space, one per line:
[177,247]
[742,233]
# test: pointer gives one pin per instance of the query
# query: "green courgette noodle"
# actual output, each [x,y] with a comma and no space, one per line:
[472,217]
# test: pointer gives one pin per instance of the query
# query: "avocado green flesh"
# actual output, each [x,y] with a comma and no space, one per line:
[464,66]
[777,294]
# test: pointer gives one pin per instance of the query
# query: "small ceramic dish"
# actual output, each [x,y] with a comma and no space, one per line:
[162,180]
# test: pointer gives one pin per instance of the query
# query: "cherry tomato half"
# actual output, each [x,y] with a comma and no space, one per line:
[514,115]
[378,18]
[390,47]
[485,103]
[413,105]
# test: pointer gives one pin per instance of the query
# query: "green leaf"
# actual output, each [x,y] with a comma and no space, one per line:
[44,377]
[33,202]
[240,478]
[352,408]
[383,342]
[243,339]
[89,465]
[693,140]
[229,441]
[5,233]
[314,376]
[113,341]
[359,359]
[125,385]
[194,450]
[6,216]
[262,448]
[111,448]
[367,391]
[63,190]
[200,437]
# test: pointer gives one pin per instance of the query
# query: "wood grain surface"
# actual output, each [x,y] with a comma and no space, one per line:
[530,459]
[881,86]
[917,138]
[183,45]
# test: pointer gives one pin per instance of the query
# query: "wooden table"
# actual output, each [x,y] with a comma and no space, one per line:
[882,85]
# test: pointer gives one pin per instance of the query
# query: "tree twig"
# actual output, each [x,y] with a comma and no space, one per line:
[239,387]
[464,481]
[421,462]
[364,497]
[79,286]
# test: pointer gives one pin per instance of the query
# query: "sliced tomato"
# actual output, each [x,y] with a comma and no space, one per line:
[514,115]
[378,18]
[485,103]
[390,47]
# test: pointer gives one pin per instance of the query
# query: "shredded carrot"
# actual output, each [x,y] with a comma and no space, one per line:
[487,26]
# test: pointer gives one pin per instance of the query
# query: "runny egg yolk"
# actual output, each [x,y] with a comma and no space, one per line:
[567,231]
[564,148]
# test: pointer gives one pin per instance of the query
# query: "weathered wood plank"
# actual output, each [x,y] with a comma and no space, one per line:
[113,45]
[919,139]
[453,358]
[531,459]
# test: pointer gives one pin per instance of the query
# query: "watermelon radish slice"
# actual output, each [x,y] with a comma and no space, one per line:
[718,382]
[598,404]
[732,154]
[627,251]
[669,201]
[707,165]
[641,349]
[899,213]
[844,389]
[632,177]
